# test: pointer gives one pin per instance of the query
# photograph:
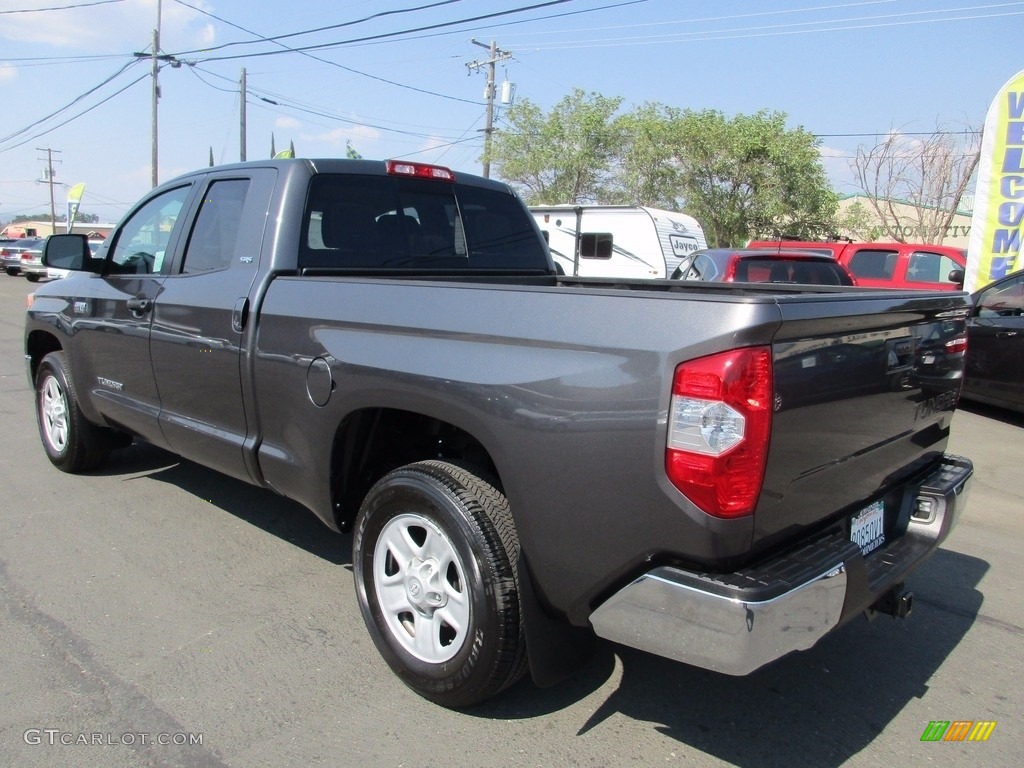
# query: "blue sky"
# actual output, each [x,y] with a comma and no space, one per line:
[843,70]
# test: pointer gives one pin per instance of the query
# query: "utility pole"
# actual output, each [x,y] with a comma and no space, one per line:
[495,56]
[242,122]
[154,155]
[49,178]
[156,57]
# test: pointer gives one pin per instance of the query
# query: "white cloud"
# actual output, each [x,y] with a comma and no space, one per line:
[337,137]
[287,122]
[108,27]
[208,34]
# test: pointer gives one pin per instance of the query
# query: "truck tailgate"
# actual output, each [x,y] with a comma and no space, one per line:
[864,396]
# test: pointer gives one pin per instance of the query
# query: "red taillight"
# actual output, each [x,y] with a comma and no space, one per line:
[421,170]
[957,345]
[719,423]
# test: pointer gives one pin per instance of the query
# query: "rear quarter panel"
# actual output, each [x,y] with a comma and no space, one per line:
[566,389]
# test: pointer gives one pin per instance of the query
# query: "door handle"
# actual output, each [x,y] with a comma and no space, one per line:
[240,315]
[139,306]
[1006,334]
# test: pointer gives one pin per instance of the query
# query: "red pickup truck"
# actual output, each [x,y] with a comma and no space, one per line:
[890,265]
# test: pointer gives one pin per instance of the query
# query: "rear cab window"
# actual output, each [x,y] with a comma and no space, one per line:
[373,223]
[211,244]
[804,272]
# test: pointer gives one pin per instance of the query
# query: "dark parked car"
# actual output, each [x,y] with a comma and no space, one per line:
[995,347]
[744,265]
[11,250]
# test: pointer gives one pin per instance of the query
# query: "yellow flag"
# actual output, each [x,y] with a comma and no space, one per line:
[74,200]
[994,249]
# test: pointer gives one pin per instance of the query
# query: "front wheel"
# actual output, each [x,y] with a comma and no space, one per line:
[32,277]
[72,444]
[435,557]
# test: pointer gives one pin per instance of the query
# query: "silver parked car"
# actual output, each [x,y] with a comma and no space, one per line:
[32,261]
[11,250]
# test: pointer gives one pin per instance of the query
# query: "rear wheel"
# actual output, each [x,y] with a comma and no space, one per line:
[32,278]
[72,444]
[435,555]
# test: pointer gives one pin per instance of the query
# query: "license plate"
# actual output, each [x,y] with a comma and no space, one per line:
[867,528]
[928,359]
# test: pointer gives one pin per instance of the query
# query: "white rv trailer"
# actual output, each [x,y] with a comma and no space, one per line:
[623,241]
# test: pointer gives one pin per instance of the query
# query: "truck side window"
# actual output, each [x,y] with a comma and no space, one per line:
[875,264]
[141,243]
[211,245]
[926,267]
[1004,301]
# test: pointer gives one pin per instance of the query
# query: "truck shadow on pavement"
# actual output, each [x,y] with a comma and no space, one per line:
[820,707]
[281,517]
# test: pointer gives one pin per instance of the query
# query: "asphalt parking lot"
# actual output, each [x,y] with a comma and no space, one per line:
[158,614]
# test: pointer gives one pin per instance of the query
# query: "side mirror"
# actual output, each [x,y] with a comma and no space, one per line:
[69,252]
[956,276]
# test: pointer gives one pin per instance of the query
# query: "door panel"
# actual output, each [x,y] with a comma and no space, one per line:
[995,351]
[199,326]
[115,317]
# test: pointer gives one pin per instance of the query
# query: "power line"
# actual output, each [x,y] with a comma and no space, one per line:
[61,7]
[840,25]
[566,14]
[325,61]
[68,105]
[280,100]
[76,117]
[387,35]
[276,38]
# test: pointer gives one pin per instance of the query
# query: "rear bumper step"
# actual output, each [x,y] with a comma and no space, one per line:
[735,623]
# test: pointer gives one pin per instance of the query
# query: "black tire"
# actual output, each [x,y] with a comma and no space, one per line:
[32,277]
[13,271]
[72,444]
[439,542]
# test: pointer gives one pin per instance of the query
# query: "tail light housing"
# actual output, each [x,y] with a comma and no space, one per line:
[956,346]
[718,430]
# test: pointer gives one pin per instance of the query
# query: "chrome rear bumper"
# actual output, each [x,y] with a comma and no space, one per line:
[735,623]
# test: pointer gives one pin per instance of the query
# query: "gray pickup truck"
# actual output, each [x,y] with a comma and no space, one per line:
[719,474]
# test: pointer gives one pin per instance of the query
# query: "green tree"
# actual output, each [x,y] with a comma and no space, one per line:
[648,171]
[743,177]
[565,156]
[749,177]
[859,223]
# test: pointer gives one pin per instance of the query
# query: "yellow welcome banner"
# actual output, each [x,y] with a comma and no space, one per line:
[994,247]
